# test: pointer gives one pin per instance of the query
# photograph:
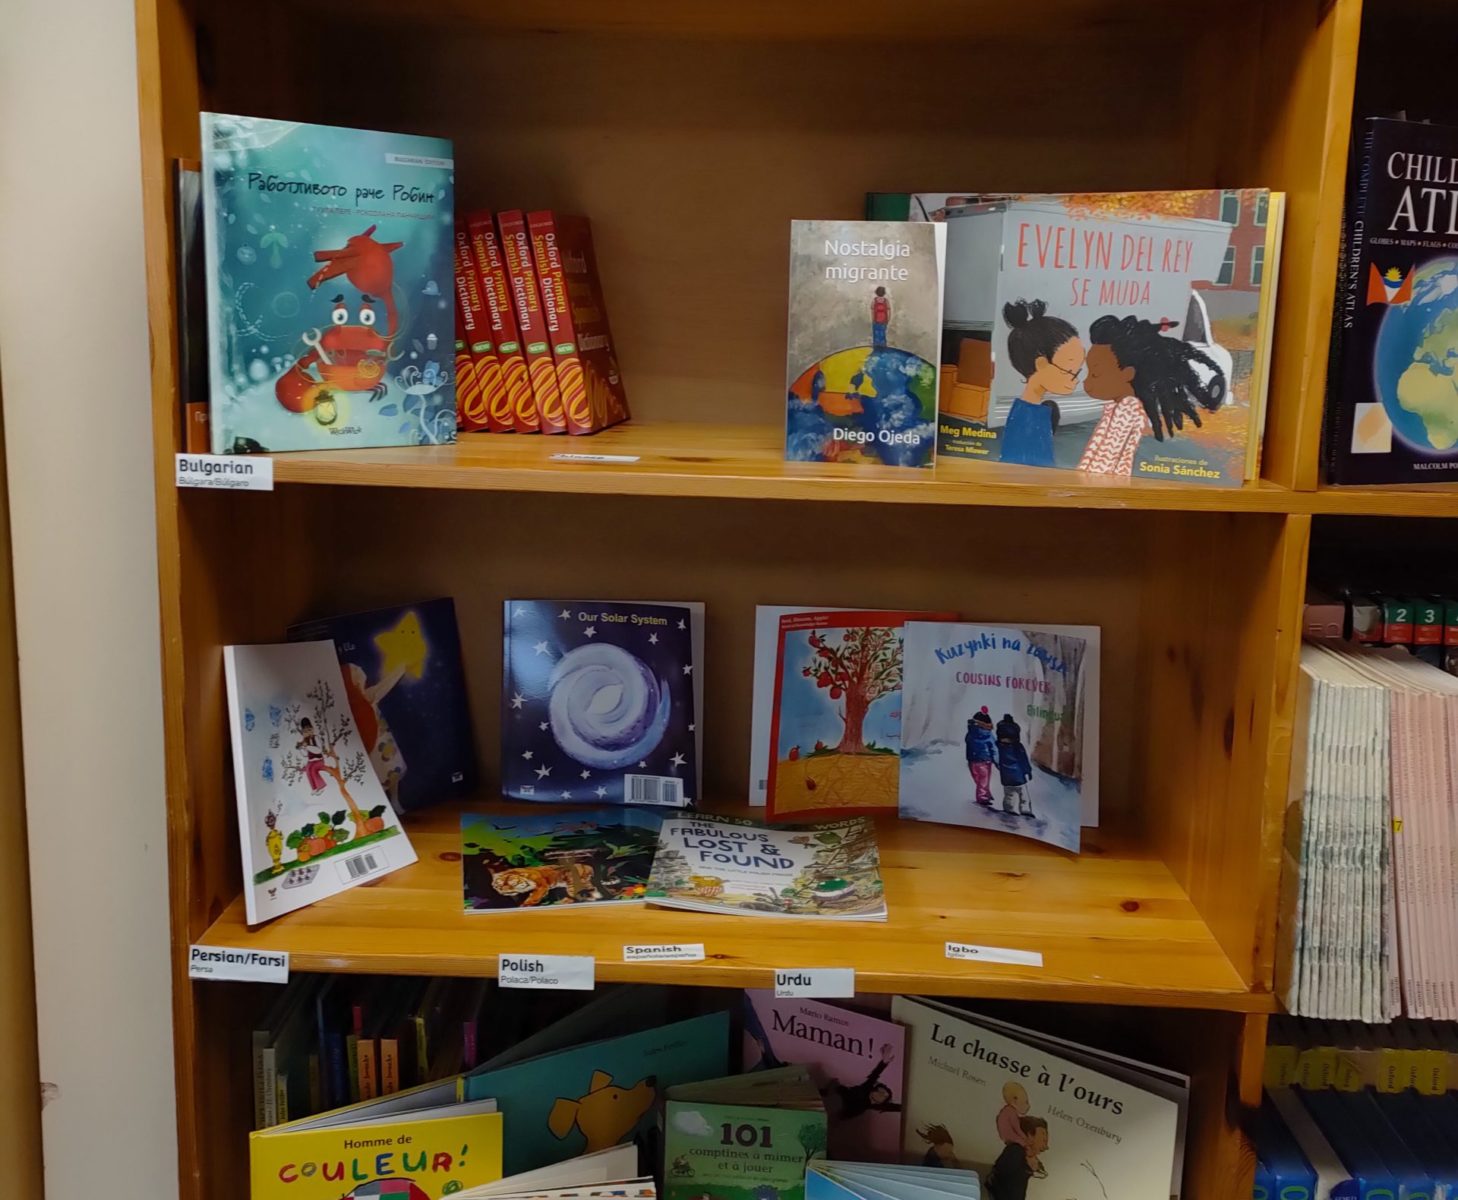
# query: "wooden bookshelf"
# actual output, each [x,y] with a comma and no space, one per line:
[692,133]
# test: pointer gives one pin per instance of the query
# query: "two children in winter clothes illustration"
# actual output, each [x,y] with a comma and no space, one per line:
[1004,750]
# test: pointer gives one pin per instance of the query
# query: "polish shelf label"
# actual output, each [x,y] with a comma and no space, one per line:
[565,972]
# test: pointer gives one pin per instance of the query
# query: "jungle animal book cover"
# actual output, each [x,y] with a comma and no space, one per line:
[587,1098]
[727,865]
[997,725]
[547,860]
[1392,403]
[407,692]
[1031,1122]
[835,729]
[747,1137]
[330,274]
[857,1061]
[865,321]
[1122,334]
[600,701]
[312,818]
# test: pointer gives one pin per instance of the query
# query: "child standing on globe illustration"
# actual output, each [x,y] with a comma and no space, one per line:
[880,317]
[1046,352]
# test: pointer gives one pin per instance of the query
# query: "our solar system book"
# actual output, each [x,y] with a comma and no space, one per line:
[407,692]
[864,340]
[330,284]
[601,701]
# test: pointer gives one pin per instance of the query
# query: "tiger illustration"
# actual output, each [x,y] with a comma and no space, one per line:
[575,880]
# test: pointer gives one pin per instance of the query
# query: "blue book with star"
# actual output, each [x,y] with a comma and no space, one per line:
[407,693]
[601,701]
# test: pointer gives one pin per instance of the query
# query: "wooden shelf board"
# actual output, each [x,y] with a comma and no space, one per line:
[1112,924]
[1394,501]
[744,462]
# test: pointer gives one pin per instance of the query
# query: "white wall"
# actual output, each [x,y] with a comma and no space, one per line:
[73,358]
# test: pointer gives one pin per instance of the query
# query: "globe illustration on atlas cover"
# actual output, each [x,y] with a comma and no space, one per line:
[874,392]
[1415,367]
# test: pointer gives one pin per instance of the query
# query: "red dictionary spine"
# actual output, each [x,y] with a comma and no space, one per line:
[516,245]
[518,410]
[473,368]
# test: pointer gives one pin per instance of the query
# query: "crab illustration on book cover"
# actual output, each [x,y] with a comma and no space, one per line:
[330,286]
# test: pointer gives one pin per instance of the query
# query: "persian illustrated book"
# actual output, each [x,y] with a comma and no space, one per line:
[518,412]
[857,1061]
[998,728]
[526,295]
[724,865]
[864,333]
[548,860]
[1392,403]
[312,818]
[330,280]
[406,688]
[601,701]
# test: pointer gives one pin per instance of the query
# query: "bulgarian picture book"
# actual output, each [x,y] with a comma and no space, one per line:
[312,818]
[406,689]
[1030,1121]
[1123,334]
[331,310]
[547,860]
[601,701]
[997,726]
[728,865]
[865,316]
[1392,403]
[857,1061]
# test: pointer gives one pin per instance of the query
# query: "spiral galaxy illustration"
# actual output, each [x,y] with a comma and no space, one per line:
[607,709]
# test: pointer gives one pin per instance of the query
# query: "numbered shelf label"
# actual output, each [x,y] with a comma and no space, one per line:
[566,972]
[244,966]
[828,983]
[674,952]
[234,472]
[965,952]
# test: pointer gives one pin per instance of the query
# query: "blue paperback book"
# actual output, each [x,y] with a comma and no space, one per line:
[601,701]
[1292,1177]
[407,694]
[330,277]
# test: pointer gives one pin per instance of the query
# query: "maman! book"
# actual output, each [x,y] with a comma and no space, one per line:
[312,818]
[407,693]
[330,286]
[1392,404]
[998,726]
[857,1061]
[724,865]
[601,701]
[865,320]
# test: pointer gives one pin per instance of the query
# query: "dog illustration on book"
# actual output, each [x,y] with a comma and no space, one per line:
[606,1114]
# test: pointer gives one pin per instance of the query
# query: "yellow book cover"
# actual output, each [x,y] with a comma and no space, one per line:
[410,1156]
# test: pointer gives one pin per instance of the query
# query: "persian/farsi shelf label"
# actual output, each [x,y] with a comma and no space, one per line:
[964,952]
[236,472]
[827,983]
[221,964]
[668,952]
[567,972]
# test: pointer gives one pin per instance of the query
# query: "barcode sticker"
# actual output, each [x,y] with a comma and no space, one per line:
[666,790]
[358,866]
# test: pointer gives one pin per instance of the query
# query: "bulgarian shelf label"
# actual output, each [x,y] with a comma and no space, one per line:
[994,954]
[567,972]
[238,472]
[828,983]
[675,952]
[239,966]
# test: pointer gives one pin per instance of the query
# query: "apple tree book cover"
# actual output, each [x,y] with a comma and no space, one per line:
[331,286]
[864,331]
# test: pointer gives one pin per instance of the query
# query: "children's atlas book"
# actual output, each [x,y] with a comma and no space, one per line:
[869,1181]
[593,1096]
[601,701]
[865,322]
[407,694]
[747,1137]
[547,860]
[1033,1123]
[421,1144]
[725,865]
[857,1061]
[331,317]
[997,727]
[835,729]
[312,818]
[610,1174]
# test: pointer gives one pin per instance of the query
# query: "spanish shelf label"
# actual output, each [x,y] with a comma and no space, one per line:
[567,972]
[675,952]
[238,966]
[237,472]
[595,458]
[827,983]
[966,952]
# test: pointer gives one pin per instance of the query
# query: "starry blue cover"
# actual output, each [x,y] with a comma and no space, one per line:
[598,702]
